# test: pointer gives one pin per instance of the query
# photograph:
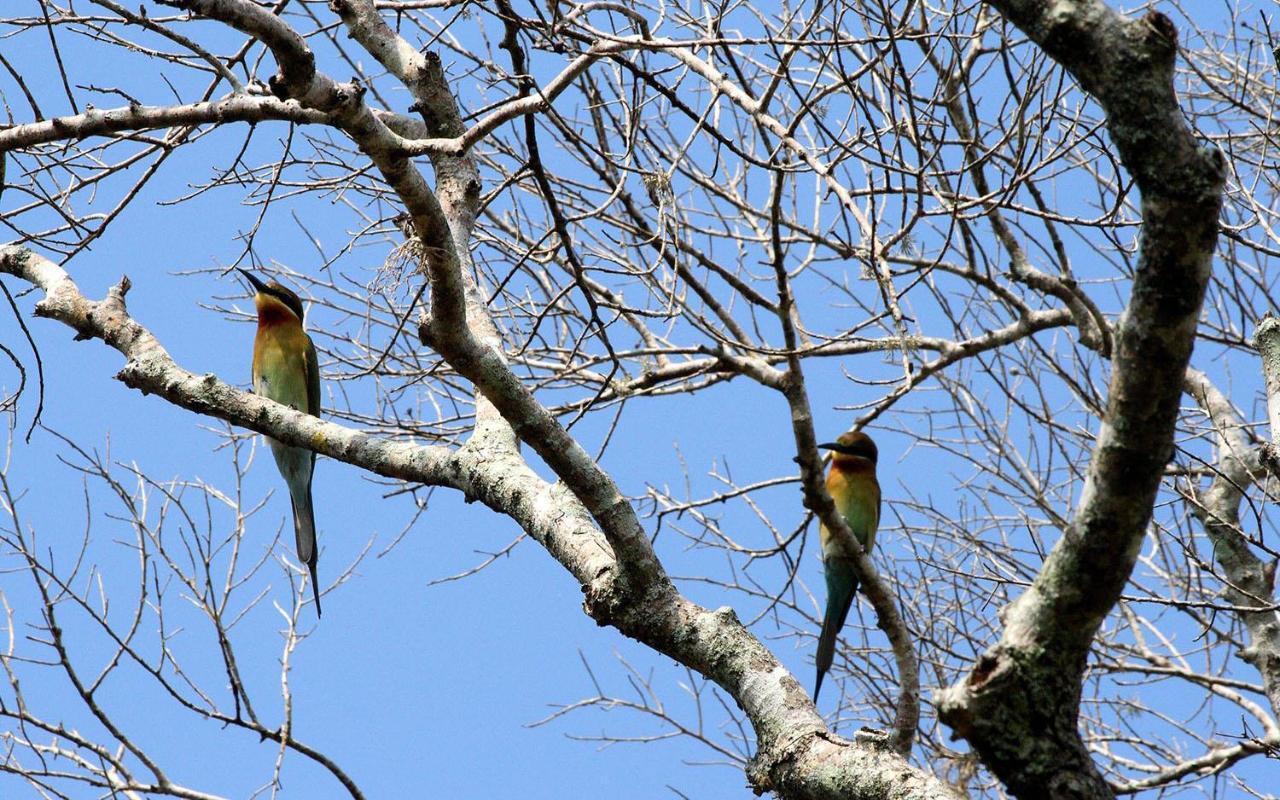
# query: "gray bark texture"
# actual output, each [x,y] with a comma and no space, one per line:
[1252,580]
[1019,706]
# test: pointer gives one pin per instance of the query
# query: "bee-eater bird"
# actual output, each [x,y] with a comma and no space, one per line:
[853,486]
[286,370]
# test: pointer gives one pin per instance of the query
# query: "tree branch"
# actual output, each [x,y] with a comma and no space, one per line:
[1019,706]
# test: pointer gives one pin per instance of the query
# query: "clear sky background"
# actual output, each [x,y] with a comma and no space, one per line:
[414,689]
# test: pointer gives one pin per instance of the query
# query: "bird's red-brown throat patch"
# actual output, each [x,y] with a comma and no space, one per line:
[274,311]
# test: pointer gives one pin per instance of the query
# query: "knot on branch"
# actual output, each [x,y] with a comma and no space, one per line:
[874,738]
[117,293]
[1161,34]
[605,598]
[293,81]
[279,86]
[767,767]
[436,104]
[759,770]
[132,374]
[1264,659]
[1269,456]
[962,706]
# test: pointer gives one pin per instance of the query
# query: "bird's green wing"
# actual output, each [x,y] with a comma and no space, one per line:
[313,380]
[871,540]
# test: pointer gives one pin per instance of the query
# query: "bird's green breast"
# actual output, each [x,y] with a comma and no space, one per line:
[280,366]
[857,497]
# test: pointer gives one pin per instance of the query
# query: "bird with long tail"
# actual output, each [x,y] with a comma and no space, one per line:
[853,486]
[286,370]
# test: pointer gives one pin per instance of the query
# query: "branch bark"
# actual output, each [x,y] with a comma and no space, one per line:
[1019,706]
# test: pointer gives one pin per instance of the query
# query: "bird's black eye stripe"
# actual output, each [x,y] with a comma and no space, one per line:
[288,298]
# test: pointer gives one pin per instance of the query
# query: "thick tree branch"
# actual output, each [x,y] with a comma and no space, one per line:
[1266,340]
[1019,706]
[648,607]
[641,600]
[1249,580]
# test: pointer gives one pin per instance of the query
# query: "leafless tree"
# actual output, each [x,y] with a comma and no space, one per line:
[1001,227]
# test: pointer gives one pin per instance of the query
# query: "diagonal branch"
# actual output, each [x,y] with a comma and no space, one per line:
[1019,707]
[584,522]
[796,755]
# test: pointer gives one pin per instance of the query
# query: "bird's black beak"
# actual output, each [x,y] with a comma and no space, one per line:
[829,446]
[257,284]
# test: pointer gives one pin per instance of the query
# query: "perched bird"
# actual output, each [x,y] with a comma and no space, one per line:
[853,487]
[286,370]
